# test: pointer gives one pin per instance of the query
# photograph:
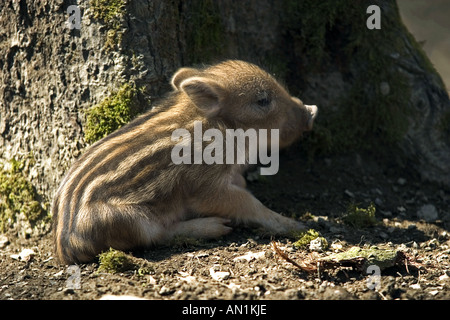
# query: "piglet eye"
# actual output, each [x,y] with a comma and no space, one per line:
[263,102]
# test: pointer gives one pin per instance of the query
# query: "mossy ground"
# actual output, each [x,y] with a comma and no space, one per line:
[305,238]
[360,217]
[383,258]
[116,261]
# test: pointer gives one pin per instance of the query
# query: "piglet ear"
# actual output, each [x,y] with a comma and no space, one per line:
[183,74]
[205,93]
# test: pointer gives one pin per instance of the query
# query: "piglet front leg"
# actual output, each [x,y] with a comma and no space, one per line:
[236,203]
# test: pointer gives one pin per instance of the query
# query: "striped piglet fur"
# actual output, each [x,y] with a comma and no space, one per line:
[125,192]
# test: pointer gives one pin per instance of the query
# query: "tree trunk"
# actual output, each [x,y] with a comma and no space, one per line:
[373,87]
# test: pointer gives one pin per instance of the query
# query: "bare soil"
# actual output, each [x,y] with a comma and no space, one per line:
[318,193]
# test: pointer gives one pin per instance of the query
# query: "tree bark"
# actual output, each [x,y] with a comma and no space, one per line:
[51,74]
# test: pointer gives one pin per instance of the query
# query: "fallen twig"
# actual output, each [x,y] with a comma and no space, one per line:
[286,258]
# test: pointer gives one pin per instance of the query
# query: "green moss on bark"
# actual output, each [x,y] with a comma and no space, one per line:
[18,196]
[111,13]
[205,32]
[112,113]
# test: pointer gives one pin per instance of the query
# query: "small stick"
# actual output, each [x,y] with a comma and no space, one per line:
[406,265]
[285,257]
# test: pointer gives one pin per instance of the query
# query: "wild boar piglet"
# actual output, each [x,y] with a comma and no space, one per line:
[153,179]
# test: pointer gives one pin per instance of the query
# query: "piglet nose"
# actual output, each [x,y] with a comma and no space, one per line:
[312,110]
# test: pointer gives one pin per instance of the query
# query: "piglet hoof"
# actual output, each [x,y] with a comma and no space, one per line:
[215,227]
[293,227]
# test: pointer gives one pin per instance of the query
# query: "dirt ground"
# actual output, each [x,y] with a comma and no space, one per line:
[244,265]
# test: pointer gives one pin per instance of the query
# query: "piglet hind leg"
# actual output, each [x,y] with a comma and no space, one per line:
[236,203]
[201,228]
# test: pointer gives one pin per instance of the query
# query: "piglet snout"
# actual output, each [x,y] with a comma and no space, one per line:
[312,113]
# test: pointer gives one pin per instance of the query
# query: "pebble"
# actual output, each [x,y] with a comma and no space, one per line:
[387,214]
[383,235]
[444,277]
[378,201]
[378,191]
[68,291]
[384,88]
[250,243]
[317,245]
[24,255]
[165,291]
[250,256]
[415,286]
[58,274]
[434,292]
[336,246]
[428,212]
[412,244]
[401,209]
[219,275]
[4,241]
[349,193]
